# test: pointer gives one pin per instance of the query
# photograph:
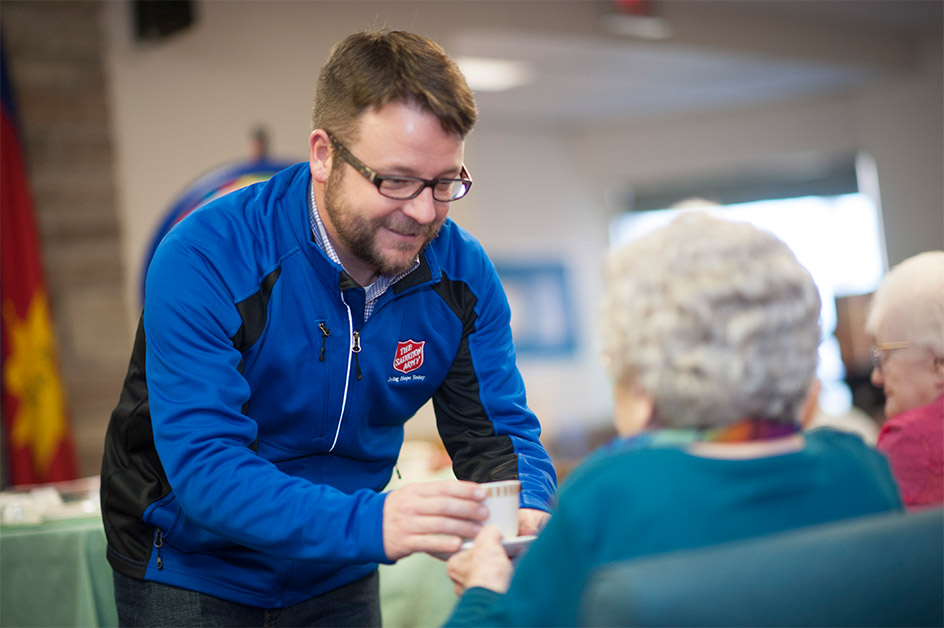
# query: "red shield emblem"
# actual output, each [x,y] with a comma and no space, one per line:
[409,356]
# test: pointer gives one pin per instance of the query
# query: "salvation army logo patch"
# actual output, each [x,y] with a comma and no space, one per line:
[409,356]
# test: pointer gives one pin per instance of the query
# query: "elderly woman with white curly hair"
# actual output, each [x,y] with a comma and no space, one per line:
[906,322]
[711,331]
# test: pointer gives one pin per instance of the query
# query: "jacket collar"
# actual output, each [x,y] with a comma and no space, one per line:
[292,186]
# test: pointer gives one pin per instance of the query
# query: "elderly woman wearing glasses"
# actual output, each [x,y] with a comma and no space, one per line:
[711,331]
[906,322]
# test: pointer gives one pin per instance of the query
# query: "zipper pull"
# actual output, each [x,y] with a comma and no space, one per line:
[159,543]
[325,332]
[356,348]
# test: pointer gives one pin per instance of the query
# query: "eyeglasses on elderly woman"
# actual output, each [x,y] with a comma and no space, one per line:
[881,348]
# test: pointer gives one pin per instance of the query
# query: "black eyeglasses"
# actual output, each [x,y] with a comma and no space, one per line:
[403,188]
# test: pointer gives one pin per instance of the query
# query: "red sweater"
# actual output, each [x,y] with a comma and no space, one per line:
[913,441]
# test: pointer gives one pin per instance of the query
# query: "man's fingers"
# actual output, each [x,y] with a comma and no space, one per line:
[435,543]
[452,507]
[446,525]
[448,498]
[415,523]
[453,488]
[417,516]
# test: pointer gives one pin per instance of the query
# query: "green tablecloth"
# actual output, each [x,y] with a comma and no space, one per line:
[56,574]
[415,593]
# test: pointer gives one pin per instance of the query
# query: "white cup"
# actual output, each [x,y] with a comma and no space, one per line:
[502,504]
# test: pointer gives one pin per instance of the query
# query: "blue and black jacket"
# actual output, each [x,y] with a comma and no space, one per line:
[261,417]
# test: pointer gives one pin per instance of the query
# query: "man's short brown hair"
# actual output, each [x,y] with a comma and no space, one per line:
[373,68]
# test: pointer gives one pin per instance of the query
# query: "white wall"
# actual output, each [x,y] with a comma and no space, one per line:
[189,104]
[532,204]
[898,122]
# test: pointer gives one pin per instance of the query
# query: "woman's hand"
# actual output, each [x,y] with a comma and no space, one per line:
[485,565]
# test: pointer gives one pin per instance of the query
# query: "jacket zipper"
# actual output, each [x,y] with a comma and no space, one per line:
[356,349]
[325,332]
[158,544]
[355,344]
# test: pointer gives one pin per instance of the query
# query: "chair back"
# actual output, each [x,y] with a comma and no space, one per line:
[880,570]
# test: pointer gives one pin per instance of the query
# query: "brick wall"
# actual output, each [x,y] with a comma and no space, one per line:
[55,59]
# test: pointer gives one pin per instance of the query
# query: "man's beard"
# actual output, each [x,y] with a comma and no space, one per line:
[359,236]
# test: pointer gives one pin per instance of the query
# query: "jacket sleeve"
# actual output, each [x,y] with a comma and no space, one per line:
[481,408]
[206,444]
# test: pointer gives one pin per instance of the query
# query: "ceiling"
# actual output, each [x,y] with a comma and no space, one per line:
[719,55]
[909,15]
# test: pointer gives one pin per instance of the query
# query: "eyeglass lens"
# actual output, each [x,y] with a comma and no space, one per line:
[444,190]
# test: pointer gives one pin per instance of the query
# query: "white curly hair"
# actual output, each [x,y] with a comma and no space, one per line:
[717,321]
[909,303]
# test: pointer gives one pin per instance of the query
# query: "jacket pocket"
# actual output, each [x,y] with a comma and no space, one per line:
[180,531]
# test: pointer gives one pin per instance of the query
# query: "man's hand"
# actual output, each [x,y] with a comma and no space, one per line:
[485,565]
[531,520]
[432,517]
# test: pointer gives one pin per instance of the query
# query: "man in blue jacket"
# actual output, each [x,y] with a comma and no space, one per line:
[290,329]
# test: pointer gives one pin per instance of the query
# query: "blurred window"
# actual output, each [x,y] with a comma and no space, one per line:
[838,237]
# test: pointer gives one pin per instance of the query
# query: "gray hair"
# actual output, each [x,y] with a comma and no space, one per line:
[909,303]
[716,320]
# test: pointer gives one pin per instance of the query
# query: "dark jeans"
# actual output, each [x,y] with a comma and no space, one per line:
[142,603]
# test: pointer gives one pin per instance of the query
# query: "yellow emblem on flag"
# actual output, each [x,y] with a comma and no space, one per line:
[31,374]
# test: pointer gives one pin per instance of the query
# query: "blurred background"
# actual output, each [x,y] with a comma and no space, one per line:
[819,119]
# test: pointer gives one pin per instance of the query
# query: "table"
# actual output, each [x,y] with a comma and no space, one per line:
[56,574]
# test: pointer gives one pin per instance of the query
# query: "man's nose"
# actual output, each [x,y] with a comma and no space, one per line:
[422,209]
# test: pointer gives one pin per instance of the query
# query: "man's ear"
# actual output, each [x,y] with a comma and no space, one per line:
[319,155]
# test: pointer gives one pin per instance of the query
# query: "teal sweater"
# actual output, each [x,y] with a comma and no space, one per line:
[630,500]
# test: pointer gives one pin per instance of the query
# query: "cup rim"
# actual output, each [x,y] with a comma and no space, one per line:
[502,488]
[501,483]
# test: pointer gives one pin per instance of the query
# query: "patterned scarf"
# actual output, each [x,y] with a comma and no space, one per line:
[746,430]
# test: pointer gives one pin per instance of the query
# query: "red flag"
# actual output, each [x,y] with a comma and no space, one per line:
[37,431]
